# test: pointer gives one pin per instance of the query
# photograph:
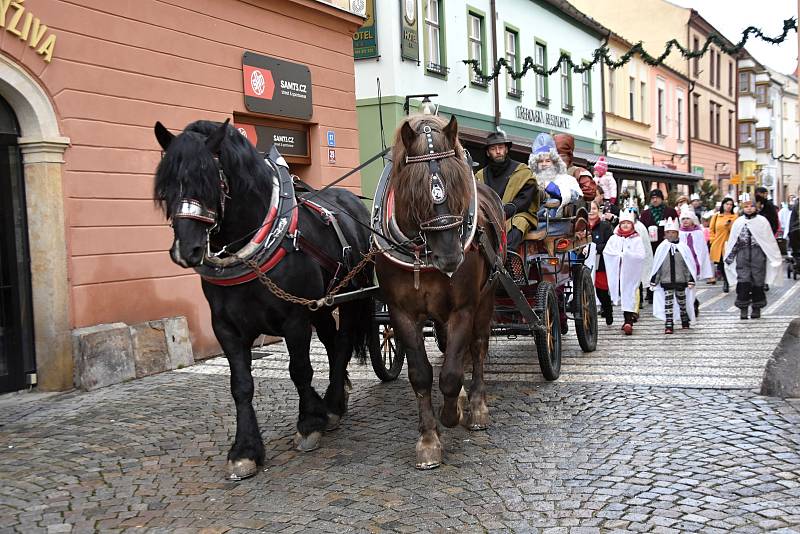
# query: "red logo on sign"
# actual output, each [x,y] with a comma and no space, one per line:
[258,82]
[248,131]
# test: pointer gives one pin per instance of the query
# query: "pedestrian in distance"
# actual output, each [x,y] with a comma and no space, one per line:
[767,209]
[752,259]
[691,235]
[624,257]
[655,216]
[672,280]
[719,231]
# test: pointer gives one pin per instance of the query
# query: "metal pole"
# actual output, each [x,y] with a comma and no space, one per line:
[493,19]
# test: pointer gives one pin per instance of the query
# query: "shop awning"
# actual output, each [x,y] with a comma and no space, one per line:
[631,170]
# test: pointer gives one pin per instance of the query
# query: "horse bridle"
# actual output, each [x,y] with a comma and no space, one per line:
[438,192]
[190,208]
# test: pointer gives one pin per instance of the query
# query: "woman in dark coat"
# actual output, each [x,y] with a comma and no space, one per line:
[601,232]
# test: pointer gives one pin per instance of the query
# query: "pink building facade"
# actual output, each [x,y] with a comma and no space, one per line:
[669,129]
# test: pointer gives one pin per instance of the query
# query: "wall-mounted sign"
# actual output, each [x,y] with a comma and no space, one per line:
[542,117]
[276,87]
[27,28]
[409,40]
[331,155]
[288,141]
[365,40]
[698,170]
[331,138]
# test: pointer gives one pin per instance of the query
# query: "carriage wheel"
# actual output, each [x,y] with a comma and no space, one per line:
[548,341]
[387,360]
[586,326]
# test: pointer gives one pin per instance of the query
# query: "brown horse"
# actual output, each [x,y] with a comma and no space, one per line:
[433,188]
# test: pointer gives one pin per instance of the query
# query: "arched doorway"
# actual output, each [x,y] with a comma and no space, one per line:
[16,319]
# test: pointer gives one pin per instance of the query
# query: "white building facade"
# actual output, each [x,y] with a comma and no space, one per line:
[768,130]
[565,102]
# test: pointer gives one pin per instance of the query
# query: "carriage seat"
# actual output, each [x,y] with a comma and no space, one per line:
[536,235]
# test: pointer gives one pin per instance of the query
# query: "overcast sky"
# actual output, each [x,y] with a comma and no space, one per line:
[731,17]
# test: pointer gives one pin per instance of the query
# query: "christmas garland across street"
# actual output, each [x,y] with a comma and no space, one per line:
[602,54]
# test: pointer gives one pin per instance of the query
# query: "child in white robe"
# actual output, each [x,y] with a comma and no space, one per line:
[672,280]
[692,235]
[624,256]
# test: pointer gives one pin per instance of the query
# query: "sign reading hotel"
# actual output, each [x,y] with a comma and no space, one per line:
[365,40]
[409,39]
[27,28]
[276,87]
[542,117]
[288,141]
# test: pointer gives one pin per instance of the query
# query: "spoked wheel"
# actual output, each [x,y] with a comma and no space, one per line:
[387,360]
[548,341]
[586,304]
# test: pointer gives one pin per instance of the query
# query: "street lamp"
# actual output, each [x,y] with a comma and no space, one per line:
[613,146]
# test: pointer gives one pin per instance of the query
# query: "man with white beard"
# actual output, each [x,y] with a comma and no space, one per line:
[551,173]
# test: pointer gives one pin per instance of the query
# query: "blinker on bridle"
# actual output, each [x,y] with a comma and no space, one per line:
[436,186]
[190,208]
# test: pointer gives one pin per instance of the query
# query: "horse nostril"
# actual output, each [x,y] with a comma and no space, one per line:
[197,252]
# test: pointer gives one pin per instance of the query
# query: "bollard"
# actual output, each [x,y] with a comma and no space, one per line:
[782,375]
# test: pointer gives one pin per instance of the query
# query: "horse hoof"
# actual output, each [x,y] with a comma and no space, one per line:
[429,453]
[241,469]
[333,422]
[307,443]
[478,419]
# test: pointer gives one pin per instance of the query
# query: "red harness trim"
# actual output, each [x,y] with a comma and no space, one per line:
[270,262]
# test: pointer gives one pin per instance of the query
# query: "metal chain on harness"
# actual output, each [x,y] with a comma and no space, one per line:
[312,304]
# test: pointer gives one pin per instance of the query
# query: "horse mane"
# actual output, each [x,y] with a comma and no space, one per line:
[188,168]
[413,202]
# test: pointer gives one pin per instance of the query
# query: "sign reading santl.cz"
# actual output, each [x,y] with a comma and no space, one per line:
[288,141]
[276,87]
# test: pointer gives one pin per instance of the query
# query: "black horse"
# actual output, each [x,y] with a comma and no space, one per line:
[214,187]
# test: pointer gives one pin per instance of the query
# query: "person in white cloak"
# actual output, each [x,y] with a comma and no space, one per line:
[692,235]
[624,256]
[784,215]
[672,280]
[752,258]
[641,229]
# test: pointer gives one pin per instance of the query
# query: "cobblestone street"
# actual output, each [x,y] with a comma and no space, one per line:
[650,433]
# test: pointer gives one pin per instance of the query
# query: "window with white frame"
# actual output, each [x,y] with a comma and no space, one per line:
[475,38]
[586,91]
[679,115]
[512,55]
[566,85]
[643,102]
[662,112]
[631,97]
[541,81]
[612,92]
[433,37]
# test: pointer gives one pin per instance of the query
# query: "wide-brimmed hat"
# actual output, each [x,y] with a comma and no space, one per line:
[497,137]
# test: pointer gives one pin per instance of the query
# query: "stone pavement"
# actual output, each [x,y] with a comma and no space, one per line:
[613,445]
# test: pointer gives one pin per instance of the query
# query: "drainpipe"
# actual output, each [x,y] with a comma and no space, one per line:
[736,129]
[494,62]
[604,146]
[689,101]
